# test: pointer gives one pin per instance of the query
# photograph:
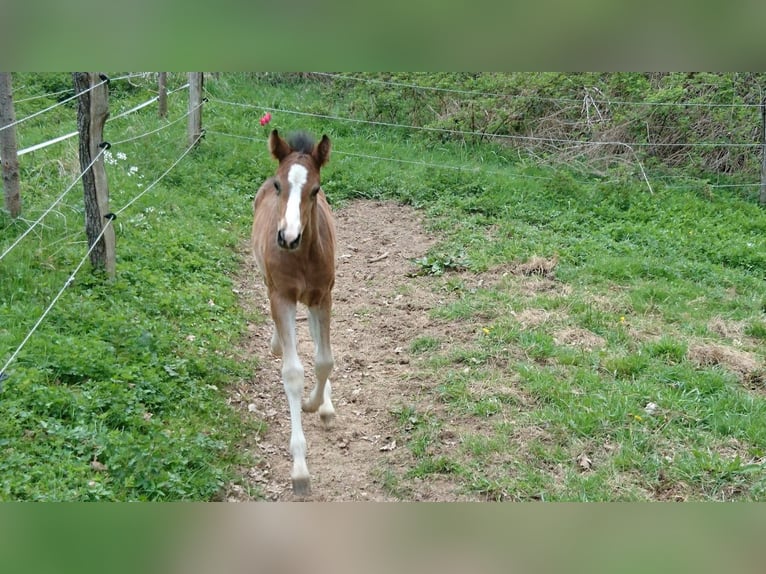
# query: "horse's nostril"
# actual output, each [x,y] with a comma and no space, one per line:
[282,242]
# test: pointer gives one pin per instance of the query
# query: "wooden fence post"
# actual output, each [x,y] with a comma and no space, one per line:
[8,147]
[162,79]
[762,196]
[195,106]
[92,112]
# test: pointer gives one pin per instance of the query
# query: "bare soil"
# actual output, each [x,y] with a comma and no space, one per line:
[380,306]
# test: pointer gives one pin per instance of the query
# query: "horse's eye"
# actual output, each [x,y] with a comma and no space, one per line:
[314,191]
[277,186]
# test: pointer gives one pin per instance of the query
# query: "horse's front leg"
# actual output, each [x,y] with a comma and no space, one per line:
[320,397]
[283,313]
[276,344]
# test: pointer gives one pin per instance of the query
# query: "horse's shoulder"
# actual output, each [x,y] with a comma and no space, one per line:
[325,210]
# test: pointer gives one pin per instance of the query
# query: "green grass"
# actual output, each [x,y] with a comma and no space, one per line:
[647,273]
[423,345]
[121,394]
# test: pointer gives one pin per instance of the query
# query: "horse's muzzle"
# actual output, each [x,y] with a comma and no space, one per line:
[284,244]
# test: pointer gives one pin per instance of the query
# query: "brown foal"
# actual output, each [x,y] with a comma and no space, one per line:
[293,242]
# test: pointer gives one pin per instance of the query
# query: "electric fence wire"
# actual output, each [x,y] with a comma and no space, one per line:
[528,96]
[49,108]
[154,131]
[155,182]
[54,204]
[58,200]
[118,116]
[538,139]
[70,279]
[55,299]
[58,93]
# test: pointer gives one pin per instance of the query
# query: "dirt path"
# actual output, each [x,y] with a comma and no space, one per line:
[380,308]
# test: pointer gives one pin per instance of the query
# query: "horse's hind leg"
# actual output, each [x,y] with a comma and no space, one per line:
[283,313]
[320,397]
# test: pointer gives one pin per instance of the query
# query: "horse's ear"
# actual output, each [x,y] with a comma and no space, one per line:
[278,147]
[321,152]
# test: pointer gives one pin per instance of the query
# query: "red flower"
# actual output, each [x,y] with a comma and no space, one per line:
[266,118]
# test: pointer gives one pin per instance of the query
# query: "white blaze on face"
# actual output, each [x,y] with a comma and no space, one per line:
[296,177]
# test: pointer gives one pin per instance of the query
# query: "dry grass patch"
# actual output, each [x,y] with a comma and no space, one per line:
[539,266]
[532,317]
[745,366]
[576,337]
[727,329]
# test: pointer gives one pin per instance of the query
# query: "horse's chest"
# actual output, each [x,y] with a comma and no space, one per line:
[303,281]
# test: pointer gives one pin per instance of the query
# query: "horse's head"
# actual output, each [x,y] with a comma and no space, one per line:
[296,182]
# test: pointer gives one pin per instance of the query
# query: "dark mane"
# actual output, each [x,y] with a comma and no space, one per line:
[301,142]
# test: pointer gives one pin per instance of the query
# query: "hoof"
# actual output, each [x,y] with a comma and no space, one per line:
[307,407]
[301,486]
[327,418]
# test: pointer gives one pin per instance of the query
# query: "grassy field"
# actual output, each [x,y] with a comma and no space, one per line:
[620,355]
[119,394]
[618,335]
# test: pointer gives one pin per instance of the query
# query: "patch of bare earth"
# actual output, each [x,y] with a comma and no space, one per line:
[380,307]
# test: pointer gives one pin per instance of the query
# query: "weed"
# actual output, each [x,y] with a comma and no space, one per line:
[439,263]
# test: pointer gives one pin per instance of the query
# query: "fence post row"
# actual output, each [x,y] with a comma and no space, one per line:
[195,106]
[8,147]
[92,112]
